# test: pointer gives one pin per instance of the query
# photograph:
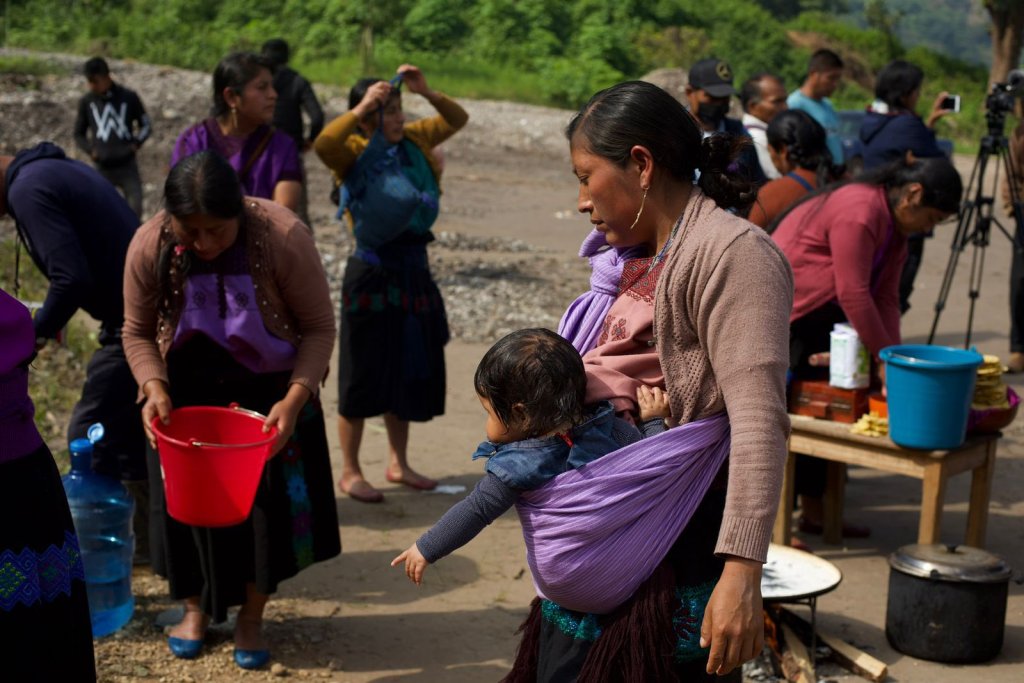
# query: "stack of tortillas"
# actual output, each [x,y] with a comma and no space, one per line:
[989,390]
[870,424]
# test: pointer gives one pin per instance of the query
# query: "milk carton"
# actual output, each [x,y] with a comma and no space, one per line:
[850,364]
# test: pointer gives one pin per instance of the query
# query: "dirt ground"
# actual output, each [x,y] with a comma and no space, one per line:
[354,619]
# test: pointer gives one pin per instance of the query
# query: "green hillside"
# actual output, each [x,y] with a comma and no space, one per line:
[554,52]
[958,28]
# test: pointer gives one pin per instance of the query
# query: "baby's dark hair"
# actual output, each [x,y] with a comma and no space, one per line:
[538,369]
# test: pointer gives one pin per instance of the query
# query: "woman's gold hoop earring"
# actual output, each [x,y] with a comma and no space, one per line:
[642,202]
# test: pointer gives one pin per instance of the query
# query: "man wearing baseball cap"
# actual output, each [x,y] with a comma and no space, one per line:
[708,94]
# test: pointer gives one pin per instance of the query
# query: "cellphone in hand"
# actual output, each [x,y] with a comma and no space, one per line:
[951,103]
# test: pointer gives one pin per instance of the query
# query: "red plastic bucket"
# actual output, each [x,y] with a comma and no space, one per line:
[212,459]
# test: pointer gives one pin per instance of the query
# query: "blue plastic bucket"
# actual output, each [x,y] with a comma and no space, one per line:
[929,390]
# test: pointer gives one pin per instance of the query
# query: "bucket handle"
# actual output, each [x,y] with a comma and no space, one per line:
[234,406]
[914,361]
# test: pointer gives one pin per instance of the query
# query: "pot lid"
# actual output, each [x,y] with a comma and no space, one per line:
[950,563]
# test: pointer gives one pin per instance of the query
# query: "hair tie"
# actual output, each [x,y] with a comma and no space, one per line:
[711,160]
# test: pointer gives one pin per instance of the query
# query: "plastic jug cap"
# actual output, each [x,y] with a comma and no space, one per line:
[80,446]
[95,432]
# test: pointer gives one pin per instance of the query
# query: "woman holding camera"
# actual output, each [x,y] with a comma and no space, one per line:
[892,127]
[892,130]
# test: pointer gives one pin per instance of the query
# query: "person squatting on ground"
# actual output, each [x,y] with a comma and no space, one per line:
[294,96]
[796,144]
[532,385]
[111,126]
[393,323]
[76,228]
[226,301]
[266,160]
[703,302]
[847,245]
[44,613]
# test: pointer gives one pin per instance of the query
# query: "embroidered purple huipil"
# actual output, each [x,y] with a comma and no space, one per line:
[220,302]
[278,161]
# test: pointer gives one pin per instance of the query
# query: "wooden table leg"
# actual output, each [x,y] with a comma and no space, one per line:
[981,489]
[832,503]
[933,494]
[782,533]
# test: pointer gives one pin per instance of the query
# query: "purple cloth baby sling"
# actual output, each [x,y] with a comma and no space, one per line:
[594,534]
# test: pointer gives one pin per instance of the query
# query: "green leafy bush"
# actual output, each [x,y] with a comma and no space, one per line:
[548,51]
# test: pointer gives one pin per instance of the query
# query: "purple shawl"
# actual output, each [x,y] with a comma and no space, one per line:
[581,323]
[593,535]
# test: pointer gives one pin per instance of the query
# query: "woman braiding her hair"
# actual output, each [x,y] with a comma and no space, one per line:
[700,308]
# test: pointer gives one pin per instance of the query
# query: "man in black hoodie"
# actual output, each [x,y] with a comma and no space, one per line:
[119,125]
[294,95]
[76,229]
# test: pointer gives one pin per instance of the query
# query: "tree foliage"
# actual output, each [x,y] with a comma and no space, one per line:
[1007,34]
[553,51]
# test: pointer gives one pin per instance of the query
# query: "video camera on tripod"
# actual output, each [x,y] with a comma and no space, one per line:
[1004,95]
[976,219]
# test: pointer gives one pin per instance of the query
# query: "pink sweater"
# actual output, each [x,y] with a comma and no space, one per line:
[844,247]
[294,301]
[721,325]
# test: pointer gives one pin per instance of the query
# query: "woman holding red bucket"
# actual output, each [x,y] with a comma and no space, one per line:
[226,301]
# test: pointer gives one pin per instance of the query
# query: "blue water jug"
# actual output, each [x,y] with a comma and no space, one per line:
[102,510]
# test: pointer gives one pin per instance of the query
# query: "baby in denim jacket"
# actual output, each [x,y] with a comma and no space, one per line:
[532,385]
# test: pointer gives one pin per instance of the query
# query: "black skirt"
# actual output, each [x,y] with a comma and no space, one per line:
[45,633]
[294,520]
[392,336]
[566,637]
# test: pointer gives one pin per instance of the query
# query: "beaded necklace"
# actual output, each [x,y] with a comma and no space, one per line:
[661,254]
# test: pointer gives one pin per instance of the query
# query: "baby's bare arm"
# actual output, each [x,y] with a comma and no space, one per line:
[653,403]
[415,564]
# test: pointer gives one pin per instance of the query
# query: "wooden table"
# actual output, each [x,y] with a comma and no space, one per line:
[832,441]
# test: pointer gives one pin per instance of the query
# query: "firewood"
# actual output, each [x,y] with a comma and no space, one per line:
[845,655]
[793,646]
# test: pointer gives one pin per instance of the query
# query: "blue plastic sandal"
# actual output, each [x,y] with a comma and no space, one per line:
[251,659]
[184,648]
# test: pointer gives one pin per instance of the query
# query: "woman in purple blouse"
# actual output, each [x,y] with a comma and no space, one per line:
[266,160]
[44,616]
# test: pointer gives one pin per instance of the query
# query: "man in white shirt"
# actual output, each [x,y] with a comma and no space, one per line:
[763,96]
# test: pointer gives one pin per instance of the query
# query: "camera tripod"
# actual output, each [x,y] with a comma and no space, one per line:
[974,225]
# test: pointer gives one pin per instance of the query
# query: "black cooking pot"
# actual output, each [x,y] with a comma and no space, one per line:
[946,603]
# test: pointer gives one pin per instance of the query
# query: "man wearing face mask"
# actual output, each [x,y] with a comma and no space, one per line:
[708,95]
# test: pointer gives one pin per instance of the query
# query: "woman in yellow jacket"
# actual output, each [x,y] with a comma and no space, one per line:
[393,324]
